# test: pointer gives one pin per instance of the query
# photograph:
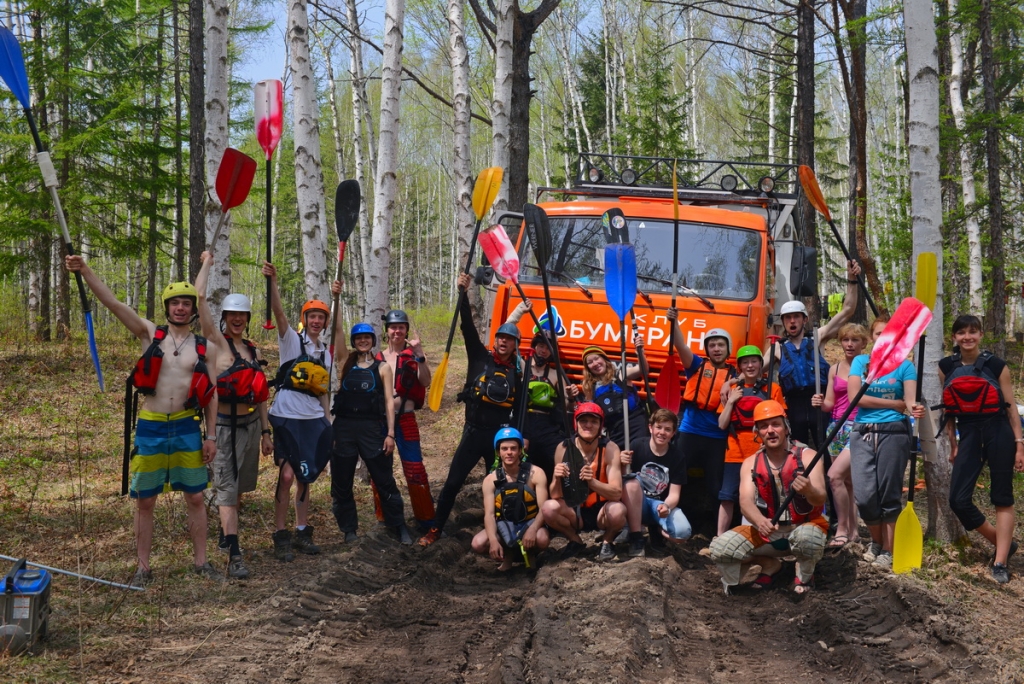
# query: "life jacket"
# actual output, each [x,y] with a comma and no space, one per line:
[515,501]
[495,386]
[244,382]
[361,394]
[147,371]
[743,409]
[972,390]
[600,474]
[703,389]
[541,394]
[407,379]
[609,398]
[305,373]
[768,495]
[796,367]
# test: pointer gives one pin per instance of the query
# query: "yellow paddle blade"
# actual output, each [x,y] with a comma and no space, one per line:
[927,279]
[437,384]
[675,192]
[813,191]
[908,543]
[485,190]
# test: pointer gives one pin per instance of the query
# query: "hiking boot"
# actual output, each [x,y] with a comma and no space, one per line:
[1000,574]
[873,550]
[622,537]
[400,534]
[142,578]
[883,561]
[283,546]
[606,553]
[432,535]
[237,569]
[636,545]
[572,549]
[206,571]
[303,541]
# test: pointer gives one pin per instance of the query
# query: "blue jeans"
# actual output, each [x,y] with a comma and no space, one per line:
[676,524]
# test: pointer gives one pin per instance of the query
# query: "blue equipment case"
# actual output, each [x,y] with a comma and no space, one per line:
[24,607]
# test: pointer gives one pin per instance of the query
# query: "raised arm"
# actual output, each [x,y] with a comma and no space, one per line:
[685,353]
[831,329]
[136,325]
[474,347]
[270,271]
[211,331]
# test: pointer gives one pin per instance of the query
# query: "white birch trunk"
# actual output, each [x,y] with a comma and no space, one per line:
[926,214]
[461,164]
[966,166]
[359,148]
[218,74]
[378,269]
[309,177]
[501,102]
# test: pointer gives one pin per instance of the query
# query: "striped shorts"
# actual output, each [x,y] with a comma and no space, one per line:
[168,455]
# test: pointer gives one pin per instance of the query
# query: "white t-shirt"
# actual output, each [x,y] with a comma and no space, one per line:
[289,404]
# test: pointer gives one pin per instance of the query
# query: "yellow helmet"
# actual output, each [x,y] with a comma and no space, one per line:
[180,290]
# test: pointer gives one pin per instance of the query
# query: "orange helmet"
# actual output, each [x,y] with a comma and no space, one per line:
[315,305]
[769,408]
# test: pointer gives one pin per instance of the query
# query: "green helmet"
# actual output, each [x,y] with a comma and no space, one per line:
[748,350]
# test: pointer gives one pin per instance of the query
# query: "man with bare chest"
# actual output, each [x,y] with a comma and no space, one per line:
[171,451]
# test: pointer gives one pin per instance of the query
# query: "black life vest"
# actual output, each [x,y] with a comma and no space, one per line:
[407,379]
[244,382]
[743,409]
[493,391]
[147,371]
[769,497]
[305,373]
[361,394]
[972,389]
[515,501]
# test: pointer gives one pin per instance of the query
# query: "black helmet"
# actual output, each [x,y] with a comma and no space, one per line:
[509,329]
[543,337]
[395,316]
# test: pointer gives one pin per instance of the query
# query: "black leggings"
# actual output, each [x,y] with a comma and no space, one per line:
[355,438]
[544,435]
[476,443]
[991,440]
[803,418]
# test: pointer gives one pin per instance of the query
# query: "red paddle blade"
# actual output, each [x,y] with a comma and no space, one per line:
[269,115]
[500,252]
[901,333]
[234,178]
[667,391]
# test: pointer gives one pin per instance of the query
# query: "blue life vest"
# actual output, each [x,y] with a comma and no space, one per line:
[796,367]
[609,398]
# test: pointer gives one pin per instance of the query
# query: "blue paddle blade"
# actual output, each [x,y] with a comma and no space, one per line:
[93,351]
[620,277]
[12,66]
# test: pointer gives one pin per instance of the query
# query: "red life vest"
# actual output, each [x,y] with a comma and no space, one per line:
[704,388]
[769,497]
[407,380]
[147,371]
[743,410]
[600,474]
[244,381]
[971,389]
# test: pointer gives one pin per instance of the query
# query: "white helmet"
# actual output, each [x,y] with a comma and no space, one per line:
[237,302]
[718,332]
[795,306]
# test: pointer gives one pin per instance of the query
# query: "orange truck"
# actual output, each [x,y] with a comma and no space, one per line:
[740,256]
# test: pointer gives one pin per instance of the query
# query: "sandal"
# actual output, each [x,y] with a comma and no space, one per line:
[802,587]
[838,542]
[763,582]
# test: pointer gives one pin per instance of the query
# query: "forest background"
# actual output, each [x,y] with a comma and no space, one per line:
[139,100]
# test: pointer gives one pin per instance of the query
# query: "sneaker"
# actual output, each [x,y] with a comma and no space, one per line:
[1013,550]
[142,578]
[401,535]
[873,550]
[207,572]
[351,537]
[622,537]
[606,553]
[636,545]
[430,537]
[302,541]
[572,549]
[883,560]
[1000,574]
[237,569]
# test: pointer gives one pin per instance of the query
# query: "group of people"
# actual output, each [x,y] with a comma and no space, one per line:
[617,467]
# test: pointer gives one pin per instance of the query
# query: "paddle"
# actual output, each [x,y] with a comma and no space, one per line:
[234,179]
[819,431]
[346,213]
[620,288]
[772,341]
[897,339]
[12,71]
[817,200]
[484,191]
[667,390]
[269,116]
[908,540]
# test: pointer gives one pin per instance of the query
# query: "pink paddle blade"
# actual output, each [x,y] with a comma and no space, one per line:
[900,335]
[500,252]
[234,178]
[269,114]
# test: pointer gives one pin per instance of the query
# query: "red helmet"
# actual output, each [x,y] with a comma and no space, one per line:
[586,408]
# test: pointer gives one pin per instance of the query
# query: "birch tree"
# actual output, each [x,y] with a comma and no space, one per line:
[218,75]
[309,177]
[461,166]
[359,147]
[926,214]
[378,270]
[501,101]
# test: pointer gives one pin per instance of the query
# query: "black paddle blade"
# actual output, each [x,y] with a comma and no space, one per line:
[574,490]
[346,208]
[539,231]
[614,223]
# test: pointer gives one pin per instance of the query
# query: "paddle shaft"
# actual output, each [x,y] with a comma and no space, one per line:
[269,325]
[772,341]
[860,276]
[540,327]
[820,431]
[917,422]
[75,574]
[640,358]
[625,396]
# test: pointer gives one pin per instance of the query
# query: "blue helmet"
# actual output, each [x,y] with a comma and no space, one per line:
[362,329]
[509,329]
[505,434]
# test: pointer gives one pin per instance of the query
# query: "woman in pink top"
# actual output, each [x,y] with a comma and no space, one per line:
[854,339]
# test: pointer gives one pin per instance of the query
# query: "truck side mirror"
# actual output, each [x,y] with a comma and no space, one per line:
[803,272]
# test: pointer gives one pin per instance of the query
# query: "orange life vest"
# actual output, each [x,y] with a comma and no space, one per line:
[600,474]
[704,388]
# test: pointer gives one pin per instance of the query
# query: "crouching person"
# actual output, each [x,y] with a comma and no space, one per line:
[765,479]
[513,495]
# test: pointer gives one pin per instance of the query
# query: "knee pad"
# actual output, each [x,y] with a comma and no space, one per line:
[730,547]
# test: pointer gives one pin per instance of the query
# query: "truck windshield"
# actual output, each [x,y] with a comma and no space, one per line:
[716,261]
